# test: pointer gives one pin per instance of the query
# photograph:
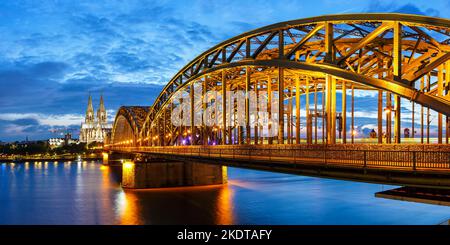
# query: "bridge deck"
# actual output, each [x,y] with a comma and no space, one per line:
[428,167]
[416,160]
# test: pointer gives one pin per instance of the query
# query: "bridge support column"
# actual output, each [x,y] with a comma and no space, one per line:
[353,115]
[163,136]
[204,127]
[158,132]
[447,129]
[269,110]
[240,135]
[380,117]
[397,122]
[388,118]
[440,85]
[413,112]
[224,109]
[256,125]
[229,114]
[447,95]
[280,105]
[331,109]
[397,72]
[297,109]
[192,116]
[324,117]
[247,105]
[421,113]
[344,113]
[157,174]
[428,108]
[308,114]
[288,116]
[315,113]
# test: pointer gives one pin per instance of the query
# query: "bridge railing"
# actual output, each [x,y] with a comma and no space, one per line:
[402,159]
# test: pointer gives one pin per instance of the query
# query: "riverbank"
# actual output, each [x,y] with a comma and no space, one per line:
[47,158]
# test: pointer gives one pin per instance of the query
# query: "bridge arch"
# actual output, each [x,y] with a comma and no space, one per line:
[399,55]
[127,125]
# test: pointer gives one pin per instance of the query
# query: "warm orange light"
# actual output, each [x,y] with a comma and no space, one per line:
[128,165]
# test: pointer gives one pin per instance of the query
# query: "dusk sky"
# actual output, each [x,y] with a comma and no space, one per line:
[53,54]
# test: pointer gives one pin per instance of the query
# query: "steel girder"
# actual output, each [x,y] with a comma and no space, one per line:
[357,47]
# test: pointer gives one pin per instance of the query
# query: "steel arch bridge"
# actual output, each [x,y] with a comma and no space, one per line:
[128,123]
[308,63]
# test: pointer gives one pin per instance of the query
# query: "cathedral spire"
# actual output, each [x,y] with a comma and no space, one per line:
[102,104]
[101,112]
[90,111]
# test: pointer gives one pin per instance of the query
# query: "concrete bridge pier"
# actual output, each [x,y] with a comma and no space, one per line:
[157,173]
[105,160]
[115,158]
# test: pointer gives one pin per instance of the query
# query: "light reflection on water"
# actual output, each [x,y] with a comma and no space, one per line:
[89,193]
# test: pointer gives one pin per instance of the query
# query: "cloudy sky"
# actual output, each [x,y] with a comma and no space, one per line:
[53,54]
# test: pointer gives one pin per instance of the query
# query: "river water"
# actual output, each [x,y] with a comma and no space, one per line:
[89,193]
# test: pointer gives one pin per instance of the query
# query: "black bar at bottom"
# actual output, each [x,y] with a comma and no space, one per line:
[227,234]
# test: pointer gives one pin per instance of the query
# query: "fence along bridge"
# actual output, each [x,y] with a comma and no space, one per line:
[303,73]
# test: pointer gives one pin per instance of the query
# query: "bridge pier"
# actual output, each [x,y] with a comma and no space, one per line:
[105,160]
[115,158]
[145,171]
[160,173]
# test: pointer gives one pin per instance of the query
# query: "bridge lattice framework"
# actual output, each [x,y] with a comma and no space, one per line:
[397,55]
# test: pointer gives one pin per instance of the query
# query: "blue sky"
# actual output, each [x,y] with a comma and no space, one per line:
[54,53]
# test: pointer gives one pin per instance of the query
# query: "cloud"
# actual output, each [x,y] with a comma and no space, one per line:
[394,7]
[15,126]
[49,120]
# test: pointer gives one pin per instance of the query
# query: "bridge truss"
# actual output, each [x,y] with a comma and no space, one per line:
[310,62]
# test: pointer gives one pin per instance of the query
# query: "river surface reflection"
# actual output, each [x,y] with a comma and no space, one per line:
[89,193]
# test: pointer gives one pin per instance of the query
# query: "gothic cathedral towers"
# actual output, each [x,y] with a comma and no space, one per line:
[95,128]
[101,112]
[89,112]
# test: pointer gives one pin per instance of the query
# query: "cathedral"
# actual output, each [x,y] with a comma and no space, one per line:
[95,129]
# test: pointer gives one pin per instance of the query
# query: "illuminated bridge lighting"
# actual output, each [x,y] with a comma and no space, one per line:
[271,94]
